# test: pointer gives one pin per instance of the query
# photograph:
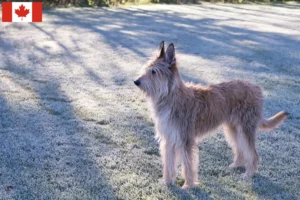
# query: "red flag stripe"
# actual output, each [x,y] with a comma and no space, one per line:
[6,11]
[37,8]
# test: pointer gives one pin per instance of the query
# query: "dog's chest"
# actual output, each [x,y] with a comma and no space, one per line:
[166,128]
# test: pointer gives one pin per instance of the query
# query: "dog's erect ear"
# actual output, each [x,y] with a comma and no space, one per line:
[170,55]
[161,49]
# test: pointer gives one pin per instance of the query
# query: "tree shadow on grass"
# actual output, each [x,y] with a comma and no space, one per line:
[284,5]
[177,1]
[43,151]
[266,189]
[194,193]
[210,37]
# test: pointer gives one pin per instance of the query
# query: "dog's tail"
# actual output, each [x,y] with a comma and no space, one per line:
[273,122]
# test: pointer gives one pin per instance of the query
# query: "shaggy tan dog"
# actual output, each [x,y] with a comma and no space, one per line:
[183,113]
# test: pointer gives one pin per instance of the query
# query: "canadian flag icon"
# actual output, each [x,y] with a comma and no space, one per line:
[22,11]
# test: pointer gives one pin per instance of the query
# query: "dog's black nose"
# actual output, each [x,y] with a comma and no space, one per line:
[137,82]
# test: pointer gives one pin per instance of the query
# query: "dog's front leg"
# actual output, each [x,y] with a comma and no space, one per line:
[167,151]
[190,165]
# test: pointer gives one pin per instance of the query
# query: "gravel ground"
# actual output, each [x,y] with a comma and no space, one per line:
[73,125]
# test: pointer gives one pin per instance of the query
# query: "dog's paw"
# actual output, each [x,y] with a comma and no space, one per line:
[235,165]
[247,175]
[185,186]
[189,186]
[232,166]
[164,182]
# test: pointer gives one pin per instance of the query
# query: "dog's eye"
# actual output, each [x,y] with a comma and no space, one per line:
[153,72]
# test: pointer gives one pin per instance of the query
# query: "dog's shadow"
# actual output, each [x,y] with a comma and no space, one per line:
[262,186]
[194,193]
[267,189]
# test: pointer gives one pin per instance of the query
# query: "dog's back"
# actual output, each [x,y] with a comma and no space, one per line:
[229,102]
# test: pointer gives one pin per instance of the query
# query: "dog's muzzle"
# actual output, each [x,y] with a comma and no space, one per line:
[137,82]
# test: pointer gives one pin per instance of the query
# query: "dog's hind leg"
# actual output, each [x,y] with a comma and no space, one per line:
[249,150]
[168,154]
[190,159]
[232,134]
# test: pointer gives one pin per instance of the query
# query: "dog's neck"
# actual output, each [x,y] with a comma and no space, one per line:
[177,88]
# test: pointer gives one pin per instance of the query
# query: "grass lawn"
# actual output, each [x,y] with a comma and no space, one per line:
[74,126]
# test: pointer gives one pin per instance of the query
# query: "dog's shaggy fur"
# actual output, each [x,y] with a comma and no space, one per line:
[183,113]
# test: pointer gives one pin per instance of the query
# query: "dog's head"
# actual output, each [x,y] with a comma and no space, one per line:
[160,76]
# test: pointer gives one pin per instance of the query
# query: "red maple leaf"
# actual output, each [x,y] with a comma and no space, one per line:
[22,12]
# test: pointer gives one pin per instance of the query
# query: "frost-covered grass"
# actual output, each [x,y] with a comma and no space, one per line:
[73,125]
